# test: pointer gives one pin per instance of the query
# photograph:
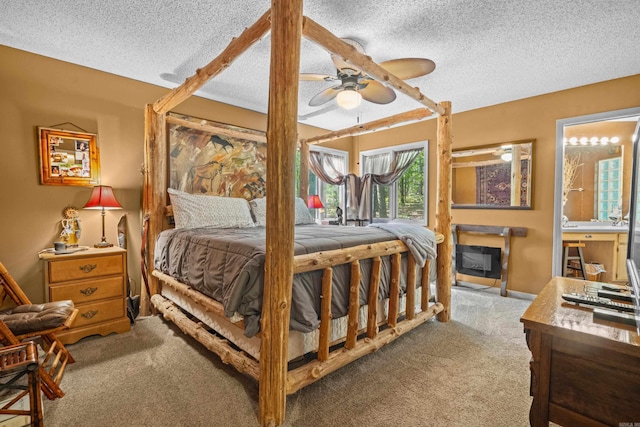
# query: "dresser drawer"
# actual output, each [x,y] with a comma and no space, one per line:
[99,312]
[81,292]
[85,268]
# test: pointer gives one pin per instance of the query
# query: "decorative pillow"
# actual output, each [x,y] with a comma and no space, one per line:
[199,210]
[259,210]
[302,213]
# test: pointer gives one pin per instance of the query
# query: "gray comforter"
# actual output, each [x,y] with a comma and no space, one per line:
[228,265]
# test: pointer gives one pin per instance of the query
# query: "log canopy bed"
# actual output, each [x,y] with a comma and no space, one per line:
[384,292]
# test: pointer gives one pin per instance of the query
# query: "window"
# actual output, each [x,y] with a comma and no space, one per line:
[406,199]
[331,196]
[609,188]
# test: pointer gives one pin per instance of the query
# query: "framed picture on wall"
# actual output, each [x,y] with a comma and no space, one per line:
[68,157]
[208,157]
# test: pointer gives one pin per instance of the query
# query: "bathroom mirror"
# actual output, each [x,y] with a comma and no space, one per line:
[493,176]
[595,182]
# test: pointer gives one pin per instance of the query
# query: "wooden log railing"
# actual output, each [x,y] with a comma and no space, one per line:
[357,342]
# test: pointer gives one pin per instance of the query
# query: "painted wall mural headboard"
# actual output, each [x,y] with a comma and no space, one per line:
[207,157]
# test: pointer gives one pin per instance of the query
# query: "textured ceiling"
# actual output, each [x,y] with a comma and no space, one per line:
[486,52]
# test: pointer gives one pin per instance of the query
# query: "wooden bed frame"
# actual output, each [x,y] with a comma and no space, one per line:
[276,381]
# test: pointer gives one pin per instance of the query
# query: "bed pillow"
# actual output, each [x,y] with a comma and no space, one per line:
[302,213]
[259,211]
[199,210]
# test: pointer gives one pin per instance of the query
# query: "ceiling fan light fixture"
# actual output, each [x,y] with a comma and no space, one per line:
[349,99]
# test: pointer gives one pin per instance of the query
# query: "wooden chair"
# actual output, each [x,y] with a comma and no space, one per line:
[567,258]
[27,321]
[16,361]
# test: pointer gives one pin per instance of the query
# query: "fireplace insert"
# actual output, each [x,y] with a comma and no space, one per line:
[479,261]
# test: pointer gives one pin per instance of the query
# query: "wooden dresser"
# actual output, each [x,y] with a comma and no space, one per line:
[584,371]
[95,279]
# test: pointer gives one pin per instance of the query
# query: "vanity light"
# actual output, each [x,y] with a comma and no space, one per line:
[594,140]
[506,157]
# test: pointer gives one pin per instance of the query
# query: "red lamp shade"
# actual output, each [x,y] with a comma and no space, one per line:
[314,202]
[102,198]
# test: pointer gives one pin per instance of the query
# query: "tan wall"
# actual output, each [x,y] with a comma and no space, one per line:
[531,118]
[38,91]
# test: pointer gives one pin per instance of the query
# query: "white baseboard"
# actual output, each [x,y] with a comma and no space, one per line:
[496,290]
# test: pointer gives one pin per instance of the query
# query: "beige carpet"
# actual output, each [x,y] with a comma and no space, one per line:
[472,371]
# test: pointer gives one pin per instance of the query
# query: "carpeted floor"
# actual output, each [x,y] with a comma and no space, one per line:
[472,371]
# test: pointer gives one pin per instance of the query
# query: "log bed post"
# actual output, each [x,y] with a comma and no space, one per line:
[443,212]
[409,116]
[303,191]
[237,46]
[153,202]
[282,138]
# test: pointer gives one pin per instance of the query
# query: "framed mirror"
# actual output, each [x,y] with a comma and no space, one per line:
[596,181]
[68,157]
[493,176]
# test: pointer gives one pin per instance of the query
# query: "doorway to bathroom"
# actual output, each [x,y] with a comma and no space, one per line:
[592,184]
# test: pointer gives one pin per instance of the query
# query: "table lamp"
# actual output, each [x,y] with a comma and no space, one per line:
[314,202]
[102,198]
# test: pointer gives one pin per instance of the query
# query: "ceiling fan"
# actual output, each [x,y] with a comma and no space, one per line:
[355,84]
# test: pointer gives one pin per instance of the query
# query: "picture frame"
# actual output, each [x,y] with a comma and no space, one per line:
[208,157]
[68,157]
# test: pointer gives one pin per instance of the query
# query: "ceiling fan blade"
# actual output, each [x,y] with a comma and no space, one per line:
[317,77]
[339,62]
[409,68]
[377,93]
[329,107]
[325,96]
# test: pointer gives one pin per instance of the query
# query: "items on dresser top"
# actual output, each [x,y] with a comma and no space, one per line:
[64,250]
[585,370]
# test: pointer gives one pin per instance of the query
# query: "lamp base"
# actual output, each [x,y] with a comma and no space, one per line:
[103,245]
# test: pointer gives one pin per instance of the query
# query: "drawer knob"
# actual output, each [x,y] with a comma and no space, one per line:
[588,236]
[89,314]
[87,268]
[88,291]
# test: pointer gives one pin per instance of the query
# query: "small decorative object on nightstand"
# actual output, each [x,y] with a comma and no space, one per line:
[70,227]
[102,198]
[339,215]
[95,280]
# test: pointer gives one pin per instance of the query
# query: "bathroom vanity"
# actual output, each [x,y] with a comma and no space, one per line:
[605,244]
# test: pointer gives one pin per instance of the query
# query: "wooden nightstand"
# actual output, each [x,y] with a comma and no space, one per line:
[95,280]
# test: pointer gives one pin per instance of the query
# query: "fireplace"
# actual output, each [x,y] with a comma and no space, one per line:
[479,261]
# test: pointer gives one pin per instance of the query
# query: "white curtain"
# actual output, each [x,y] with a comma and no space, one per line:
[381,169]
